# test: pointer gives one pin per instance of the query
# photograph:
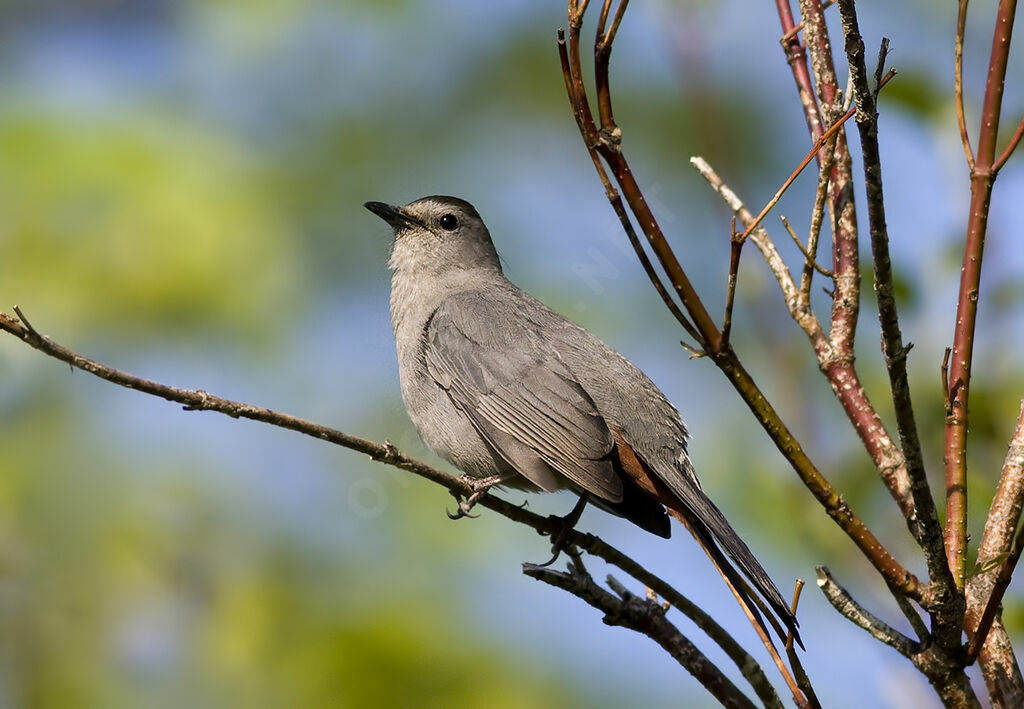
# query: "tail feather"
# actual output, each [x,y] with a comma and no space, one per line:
[688,503]
[714,533]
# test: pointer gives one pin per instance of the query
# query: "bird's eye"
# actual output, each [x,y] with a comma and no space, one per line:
[448,222]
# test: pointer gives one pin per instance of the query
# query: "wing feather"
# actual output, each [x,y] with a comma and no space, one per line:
[524,402]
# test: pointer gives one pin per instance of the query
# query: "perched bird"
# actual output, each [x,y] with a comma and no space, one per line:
[514,394]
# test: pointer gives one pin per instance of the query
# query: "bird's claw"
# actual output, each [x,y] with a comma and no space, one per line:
[557,552]
[560,539]
[465,505]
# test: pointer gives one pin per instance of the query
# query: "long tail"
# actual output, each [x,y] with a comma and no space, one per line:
[713,532]
[754,572]
[688,503]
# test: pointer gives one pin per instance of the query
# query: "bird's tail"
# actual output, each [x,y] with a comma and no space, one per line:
[713,532]
[688,503]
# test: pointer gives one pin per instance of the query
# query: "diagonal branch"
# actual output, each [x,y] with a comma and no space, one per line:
[198,400]
[838,369]
[1010,147]
[581,111]
[841,600]
[647,618]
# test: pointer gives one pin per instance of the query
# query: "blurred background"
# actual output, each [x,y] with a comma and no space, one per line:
[180,197]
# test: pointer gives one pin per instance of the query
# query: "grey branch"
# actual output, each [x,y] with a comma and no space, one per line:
[841,600]
[646,617]
[198,400]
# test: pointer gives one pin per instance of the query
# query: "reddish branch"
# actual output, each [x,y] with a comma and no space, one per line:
[835,352]
[983,174]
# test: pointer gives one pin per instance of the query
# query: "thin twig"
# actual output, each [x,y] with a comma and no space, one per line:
[1010,147]
[800,25]
[821,194]
[735,247]
[796,173]
[798,587]
[802,680]
[944,374]
[958,80]
[808,259]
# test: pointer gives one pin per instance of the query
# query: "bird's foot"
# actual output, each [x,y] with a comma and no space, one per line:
[480,487]
[560,539]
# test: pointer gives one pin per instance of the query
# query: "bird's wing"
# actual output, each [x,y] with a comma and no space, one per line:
[522,400]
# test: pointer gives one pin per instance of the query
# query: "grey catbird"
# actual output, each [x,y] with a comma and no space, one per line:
[513,394]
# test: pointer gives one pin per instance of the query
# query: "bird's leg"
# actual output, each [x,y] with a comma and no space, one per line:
[568,523]
[479,486]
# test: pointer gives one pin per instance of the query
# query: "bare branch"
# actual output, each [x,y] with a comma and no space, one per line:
[983,177]
[958,80]
[1010,147]
[582,113]
[797,58]
[994,552]
[802,680]
[197,400]
[735,248]
[950,611]
[859,616]
[800,25]
[647,618]
[838,369]
[796,173]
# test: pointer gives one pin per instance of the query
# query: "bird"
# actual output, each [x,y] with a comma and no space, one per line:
[515,395]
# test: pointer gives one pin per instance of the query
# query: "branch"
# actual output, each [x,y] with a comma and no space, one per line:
[198,400]
[958,80]
[818,145]
[841,600]
[581,111]
[646,618]
[1010,147]
[802,680]
[949,613]
[995,600]
[996,550]
[796,56]
[983,174]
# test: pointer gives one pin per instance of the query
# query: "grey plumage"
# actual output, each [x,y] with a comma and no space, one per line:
[500,385]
